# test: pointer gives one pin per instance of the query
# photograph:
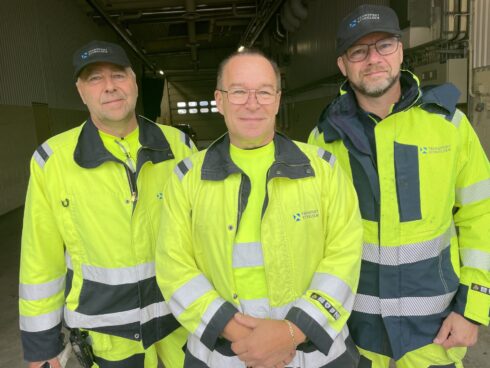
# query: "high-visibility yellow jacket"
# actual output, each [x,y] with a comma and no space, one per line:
[423,182]
[88,241]
[310,249]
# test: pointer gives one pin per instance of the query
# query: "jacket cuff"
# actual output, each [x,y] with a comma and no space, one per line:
[217,324]
[313,331]
[43,345]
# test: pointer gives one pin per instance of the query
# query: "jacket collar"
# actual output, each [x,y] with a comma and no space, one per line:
[90,152]
[289,161]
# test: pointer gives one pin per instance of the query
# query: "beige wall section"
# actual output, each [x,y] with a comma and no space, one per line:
[18,140]
[480,106]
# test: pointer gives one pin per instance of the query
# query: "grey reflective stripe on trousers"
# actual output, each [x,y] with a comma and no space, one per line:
[475,258]
[403,307]
[247,255]
[41,291]
[189,293]
[473,193]
[41,322]
[334,287]
[314,359]
[407,253]
[119,276]
[138,315]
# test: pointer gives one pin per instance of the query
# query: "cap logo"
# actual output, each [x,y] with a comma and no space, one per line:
[97,50]
[362,18]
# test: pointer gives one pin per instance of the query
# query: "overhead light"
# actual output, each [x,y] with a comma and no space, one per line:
[241,48]
[161,72]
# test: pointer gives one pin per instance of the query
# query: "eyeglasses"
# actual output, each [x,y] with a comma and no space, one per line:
[384,47]
[239,96]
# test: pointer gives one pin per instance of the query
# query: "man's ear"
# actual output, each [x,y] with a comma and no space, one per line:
[80,92]
[218,97]
[341,65]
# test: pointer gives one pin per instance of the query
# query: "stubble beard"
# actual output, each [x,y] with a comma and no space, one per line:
[377,89]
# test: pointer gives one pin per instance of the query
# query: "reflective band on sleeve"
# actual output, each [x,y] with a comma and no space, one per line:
[42,322]
[403,307]
[188,293]
[182,168]
[476,259]
[247,255]
[407,253]
[119,276]
[318,316]
[153,311]
[258,308]
[42,153]
[473,193]
[68,261]
[208,315]
[327,156]
[185,138]
[334,287]
[41,291]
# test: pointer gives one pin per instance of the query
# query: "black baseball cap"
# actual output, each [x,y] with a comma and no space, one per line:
[364,20]
[99,52]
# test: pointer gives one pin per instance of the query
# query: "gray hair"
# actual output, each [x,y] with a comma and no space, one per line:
[248,52]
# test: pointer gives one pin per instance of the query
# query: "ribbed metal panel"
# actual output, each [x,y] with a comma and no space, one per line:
[312,47]
[21,78]
[481,33]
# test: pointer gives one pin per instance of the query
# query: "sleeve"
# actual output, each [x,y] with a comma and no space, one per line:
[191,297]
[42,269]
[472,219]
[323,310]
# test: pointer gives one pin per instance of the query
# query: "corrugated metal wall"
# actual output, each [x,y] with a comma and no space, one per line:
[481,33]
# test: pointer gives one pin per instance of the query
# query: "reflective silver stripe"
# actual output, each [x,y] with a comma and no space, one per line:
[182,168]
[407,253]
[76,319]
[314,359]
[334,287]
[318,316]
[69,265]
[247,255]
[258,308]
[475,258]
[188,293]
[41,291]
[153,311]
[119,276]
[42,322]
[315,132]
[473,193]
[39,156]
[327,156]
[402,307]
[457,117]
[208,315]
[282,311]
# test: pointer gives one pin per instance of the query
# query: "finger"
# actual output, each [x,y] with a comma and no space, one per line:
[245,320]
[239,347]
[449,343]
[443,333]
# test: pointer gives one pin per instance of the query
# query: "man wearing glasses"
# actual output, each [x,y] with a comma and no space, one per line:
[90,225]
[423,184]
[259,256]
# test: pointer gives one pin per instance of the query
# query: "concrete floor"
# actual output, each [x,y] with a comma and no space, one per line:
[10,348]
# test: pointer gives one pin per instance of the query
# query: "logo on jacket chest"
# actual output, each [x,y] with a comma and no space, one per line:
[305,215]
[429,150]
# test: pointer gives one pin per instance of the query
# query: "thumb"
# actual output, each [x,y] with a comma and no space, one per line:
[443,333]
[247,321]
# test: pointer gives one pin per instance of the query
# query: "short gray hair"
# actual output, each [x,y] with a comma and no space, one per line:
[248,52]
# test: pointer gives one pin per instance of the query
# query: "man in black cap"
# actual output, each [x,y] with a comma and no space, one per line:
[423,182]
[91,218]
